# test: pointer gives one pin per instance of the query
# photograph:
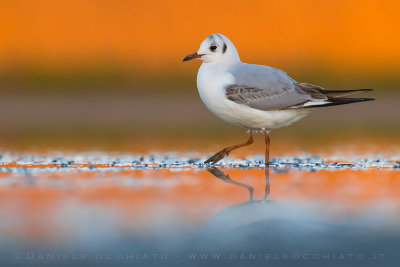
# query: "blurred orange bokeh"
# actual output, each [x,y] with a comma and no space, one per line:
[112,70]
[341,33]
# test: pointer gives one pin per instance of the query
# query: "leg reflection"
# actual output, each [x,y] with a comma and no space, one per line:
[267,187]
[219,174]
[225,177]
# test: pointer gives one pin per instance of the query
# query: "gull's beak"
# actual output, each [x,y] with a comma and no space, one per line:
[192,56]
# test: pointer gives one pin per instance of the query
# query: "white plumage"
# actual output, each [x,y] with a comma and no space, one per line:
[254,96]
[215,76]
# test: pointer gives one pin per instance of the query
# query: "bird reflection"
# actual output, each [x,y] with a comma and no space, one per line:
[268,225]
[248,218]
[225,177]
[252,224]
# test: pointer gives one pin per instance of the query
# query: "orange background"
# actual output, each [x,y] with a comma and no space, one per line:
[344,35]
[111,72]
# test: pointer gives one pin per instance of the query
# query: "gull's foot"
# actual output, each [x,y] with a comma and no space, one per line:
[218,156]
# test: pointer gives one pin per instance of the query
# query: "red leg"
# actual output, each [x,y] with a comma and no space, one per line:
[267,141]
[225,152]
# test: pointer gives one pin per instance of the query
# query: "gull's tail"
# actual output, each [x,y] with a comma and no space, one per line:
[341,93]
[334,101]
[325,98]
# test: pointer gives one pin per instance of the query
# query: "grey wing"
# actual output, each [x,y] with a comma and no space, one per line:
[266,88]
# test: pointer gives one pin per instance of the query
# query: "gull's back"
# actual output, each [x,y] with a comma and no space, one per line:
[264,88]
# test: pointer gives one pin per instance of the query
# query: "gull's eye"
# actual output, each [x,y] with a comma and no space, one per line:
[213,48]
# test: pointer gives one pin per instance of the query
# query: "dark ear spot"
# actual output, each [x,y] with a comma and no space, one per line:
[224,48]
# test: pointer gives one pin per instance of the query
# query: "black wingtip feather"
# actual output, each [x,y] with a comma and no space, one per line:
[341,101]
[348,100]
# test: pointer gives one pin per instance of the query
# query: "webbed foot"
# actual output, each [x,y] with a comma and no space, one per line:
[218,156]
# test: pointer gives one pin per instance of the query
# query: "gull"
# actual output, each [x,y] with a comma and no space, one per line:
[256,97]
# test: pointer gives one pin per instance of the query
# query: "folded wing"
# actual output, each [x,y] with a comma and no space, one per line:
[267,88]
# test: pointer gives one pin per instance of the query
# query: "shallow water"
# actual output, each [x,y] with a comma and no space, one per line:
[170,209]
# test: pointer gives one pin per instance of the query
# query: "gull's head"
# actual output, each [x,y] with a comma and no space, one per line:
[215,48]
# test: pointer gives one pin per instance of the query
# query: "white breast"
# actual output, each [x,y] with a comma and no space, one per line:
[211,83]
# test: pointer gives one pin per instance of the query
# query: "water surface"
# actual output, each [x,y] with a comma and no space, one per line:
[169,208]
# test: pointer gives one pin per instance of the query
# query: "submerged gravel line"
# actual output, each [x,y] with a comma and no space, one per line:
[57,161]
